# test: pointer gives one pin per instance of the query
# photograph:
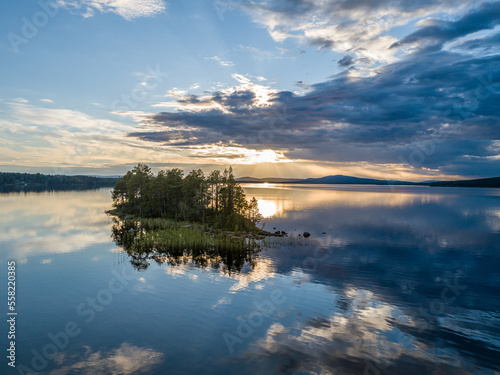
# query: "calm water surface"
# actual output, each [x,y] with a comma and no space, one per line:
[392,281]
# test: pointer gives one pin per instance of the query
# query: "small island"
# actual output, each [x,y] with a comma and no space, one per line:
[170,216]
[217,200]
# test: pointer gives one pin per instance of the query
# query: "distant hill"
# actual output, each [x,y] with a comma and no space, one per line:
[270,180]
[482,182]
[349,180]
[340,179]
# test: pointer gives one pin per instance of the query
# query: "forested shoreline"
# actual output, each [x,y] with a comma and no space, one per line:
[216,200]
[482,182]
[11,181]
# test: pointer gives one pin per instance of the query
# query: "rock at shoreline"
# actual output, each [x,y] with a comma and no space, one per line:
[307,234]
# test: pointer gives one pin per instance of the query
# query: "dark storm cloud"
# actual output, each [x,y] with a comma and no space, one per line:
[436,110]
[346,61]
[487,16]
[488,43]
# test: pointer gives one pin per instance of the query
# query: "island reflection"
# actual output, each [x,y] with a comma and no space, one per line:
[226,255]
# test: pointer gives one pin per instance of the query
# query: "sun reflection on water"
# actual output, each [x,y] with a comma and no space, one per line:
[267,208]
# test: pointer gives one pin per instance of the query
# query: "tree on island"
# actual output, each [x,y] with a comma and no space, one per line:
[216,200]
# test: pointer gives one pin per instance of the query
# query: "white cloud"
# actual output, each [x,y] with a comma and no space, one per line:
[316,342]
[137,116]
[176,271]
[126,360]
[20,100]
[262,54]
[75,222]
[176,93]
[220,61]
[54,117]
[47,100]
[128,9]
[64,139]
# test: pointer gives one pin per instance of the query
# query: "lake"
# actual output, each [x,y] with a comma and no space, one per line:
[392,280]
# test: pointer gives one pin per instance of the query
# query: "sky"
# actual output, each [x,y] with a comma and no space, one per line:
[276,88]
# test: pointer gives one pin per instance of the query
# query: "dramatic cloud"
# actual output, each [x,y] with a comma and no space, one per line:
[415,90]
[358,27]
[435,110]
[436,32]
[128,9]
[485,44]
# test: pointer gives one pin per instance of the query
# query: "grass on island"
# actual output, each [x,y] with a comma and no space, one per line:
[161,235]
[176,243]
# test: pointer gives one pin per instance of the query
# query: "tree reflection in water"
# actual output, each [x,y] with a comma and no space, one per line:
[178,244]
